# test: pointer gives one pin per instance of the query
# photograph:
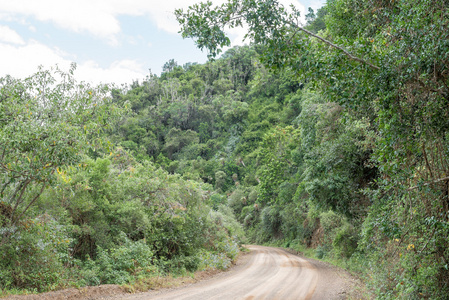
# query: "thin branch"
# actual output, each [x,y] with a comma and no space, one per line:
[400,242]
[3,154]
[6,184]
[425,245]
[31,203]
[429,183]
[346,52]
[17,190]
[293,35]
[427,161]
[22,187]
[14,171]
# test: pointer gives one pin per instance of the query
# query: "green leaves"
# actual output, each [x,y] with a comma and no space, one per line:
[47,121]
[276,157]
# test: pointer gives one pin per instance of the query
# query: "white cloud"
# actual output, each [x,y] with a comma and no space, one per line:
[119,72]
[162,11]
[315,4]
[99,17]
[93,16]
[7,35]
[163,15]
[22,61]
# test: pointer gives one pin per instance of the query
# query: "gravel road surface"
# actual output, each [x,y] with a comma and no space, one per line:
[267,273]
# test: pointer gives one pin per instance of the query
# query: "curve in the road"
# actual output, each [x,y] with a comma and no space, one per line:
[269,273]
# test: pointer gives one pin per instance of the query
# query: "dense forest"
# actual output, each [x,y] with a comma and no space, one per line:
[332,136]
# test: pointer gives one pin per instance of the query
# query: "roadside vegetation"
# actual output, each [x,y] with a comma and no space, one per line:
[339,146]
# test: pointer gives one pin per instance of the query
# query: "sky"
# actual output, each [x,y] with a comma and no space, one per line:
[111,41]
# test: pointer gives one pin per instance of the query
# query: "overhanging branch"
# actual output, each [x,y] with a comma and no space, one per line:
[346,52]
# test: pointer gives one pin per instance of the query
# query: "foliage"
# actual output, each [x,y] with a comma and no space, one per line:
[275,155]
[122,263]
[91,213]
[209,260]
[46,121]
[339,234]
[375,149]
[36,255]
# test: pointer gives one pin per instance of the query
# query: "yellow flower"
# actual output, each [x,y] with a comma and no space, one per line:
[410,247]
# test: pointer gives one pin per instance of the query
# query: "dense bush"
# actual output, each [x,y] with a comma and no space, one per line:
[36,255]
[117,220]
[124,262]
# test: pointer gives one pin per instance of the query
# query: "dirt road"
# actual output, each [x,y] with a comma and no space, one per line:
[267,273]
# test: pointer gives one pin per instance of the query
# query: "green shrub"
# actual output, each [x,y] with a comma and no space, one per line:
[35,255]
[330,221]
[228,247]
[236,200]
[321,251]
[89,274]
[190,263]
[119,265]
[271,221]
[339,234]
[220,180]
[225,219]
[214,261]
[216,200]
[345,241]
[252,196]
[292,218]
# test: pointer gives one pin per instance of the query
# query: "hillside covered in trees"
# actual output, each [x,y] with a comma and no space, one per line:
[332,136]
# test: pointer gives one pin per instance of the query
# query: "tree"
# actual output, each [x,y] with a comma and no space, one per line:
[169,66]
[276,158]
[269,23]
[315,22]
[177,139]
[46,122]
